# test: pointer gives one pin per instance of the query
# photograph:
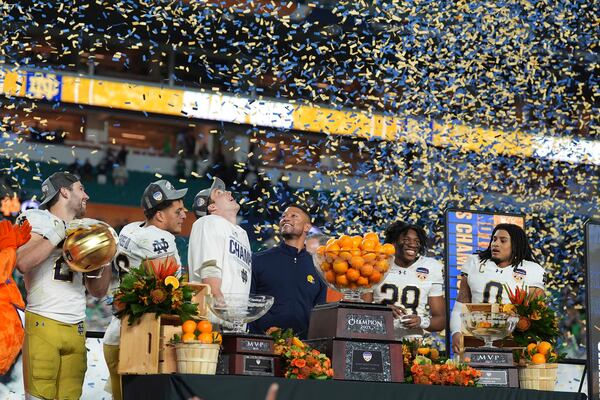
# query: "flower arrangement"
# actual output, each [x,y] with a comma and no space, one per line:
[300,360]
[425,372]
[424,365]
[537,322]
[153,288]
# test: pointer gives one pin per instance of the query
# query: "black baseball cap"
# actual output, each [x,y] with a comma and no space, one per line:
[202,199]
[52,185]
[159,192]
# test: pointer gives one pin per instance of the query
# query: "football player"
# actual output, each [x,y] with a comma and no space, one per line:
[54,355]
[219,252]
[151,239]
[484,275]
[414,287]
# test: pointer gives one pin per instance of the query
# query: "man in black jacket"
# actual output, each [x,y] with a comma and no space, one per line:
[287,273]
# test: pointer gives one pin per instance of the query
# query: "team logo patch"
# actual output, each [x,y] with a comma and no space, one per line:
[244,276]
[422,273]
[367,356]
[80,328]
[519,274]
[157,196]
[169,186]
[200,202]
[160,246]
[310,279]
[45,189]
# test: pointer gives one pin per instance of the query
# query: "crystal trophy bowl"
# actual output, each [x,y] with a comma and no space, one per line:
[240,308]
[489,326]
[352,275]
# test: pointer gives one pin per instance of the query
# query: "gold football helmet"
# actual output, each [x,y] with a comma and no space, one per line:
[90,244]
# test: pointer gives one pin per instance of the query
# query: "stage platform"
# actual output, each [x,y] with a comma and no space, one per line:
[224,387]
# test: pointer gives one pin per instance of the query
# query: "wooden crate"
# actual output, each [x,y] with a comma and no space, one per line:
[145,348]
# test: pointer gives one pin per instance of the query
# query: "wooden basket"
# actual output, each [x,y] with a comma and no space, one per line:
[538,377]
[195,357]
[144,347]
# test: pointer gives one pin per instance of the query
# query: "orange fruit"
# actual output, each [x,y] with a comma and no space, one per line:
[352,275]
[375,277]
[332,249]
[366,270]
[357,262]
[356,241]
[186,337]
[423,351]
[345,255]
[321,250]
[217,338]
[341,280]
[372,236]
[345,242]
[325,266]
[330,276]
[538,358]
[204,326]
[206,337]
[368,245]
[340,266]
[362,281]
[388,249]
[188,326]
[544,348]
[531,348]
[330,241]
[370,256]
[381,265]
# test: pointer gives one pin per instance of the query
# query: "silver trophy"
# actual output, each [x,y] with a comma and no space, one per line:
[240,308]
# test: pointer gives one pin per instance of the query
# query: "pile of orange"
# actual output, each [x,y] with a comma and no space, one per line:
[355,261]
[540,353]
[201,330]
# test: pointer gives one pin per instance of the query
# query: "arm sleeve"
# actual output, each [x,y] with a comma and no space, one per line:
[470,265]
[38,219]
[254,276]
[455,320]
[437,279]
[207,249]
[535,276]
[322,296]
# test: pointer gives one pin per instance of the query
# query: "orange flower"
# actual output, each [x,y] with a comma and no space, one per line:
[300,363]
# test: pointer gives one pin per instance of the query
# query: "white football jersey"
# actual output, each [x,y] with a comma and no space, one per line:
[411,287]
[216,242]
[138,242]
[487,280]
[53,290]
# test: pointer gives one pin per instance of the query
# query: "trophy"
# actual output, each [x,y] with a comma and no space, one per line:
[90,244]
[243,353]
[357,336]
[496,363]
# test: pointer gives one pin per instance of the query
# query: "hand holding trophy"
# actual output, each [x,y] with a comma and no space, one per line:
[89,245]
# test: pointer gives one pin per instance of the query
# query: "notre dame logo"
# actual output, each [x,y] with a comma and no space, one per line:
[160,246]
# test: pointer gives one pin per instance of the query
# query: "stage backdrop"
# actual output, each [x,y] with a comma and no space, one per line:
[467,232]
[592,251]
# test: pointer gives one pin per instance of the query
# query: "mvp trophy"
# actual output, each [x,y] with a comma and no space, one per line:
[357,336]
[244,353]
[488,323]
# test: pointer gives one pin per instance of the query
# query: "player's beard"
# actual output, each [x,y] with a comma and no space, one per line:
[80,211]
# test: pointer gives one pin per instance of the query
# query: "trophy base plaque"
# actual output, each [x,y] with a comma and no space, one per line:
[351,321]
[496,365]
[248,354]
[366,360]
